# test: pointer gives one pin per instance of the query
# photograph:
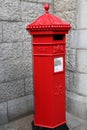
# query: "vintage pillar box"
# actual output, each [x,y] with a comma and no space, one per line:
[49,43]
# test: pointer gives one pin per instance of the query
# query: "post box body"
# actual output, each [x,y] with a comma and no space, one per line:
[48,45]
[49,80]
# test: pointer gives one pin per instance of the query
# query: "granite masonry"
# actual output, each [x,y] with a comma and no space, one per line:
[74,11]
[16,82]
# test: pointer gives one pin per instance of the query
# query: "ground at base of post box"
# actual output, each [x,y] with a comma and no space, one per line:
[73,123]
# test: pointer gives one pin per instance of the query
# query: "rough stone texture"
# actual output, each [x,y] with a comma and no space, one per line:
[38,1]
[3,113]
[16,60]
[69,16]
[78,83]
[14,32]
[29,11]
[65,5]
[11,90]
[16,54]
[81,61]
[13,69]
[30,103]
[10,10]
[82,15]
[10,51]
[66,9]
[70,57]
[29,85]
[19,107]
[1,72]
[16,68]
[50,1]
[78,39]
[74,101]
[67,81]
[27,50]
[0,32]
[74,11]
[73,81]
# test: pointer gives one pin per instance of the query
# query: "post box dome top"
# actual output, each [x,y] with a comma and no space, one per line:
[48,22]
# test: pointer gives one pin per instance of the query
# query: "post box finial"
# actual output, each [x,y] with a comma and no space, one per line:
[46,7]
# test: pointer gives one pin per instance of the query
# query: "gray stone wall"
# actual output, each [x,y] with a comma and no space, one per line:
[16,83]
[74,11]
[67,10]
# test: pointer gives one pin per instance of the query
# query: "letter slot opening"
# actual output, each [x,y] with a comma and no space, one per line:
[58,37]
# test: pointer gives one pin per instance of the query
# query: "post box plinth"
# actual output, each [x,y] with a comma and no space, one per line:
[62,127]
[48,51]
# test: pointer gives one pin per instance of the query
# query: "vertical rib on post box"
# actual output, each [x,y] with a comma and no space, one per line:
[49,43]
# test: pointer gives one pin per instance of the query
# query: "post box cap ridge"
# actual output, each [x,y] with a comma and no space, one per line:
[48,22]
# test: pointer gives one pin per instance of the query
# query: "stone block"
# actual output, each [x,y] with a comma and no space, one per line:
[27,59]
[67,10]
[43,1]
[10,10]
[29,85]
[77,104]
[29,11]
[60,6]
[27,49]
[1,32]
[35,1]
[78,83]
[73,81]
[67,80]
[30,103]
[17,61]
[15,32]
[41,9]
[68,103]
[82,39]
[82,14]
[38,1]
[78,39]
[10,90]
[3,113]
[81,61]
[72,5]
[13,69]
[32,10]
[68,38]
[70,57]
[19,107]
[17,68]
[65,5]
[10,51]
[73,121]
[27,67]
[2,77]
[81,84]
[68,16]
[74,38]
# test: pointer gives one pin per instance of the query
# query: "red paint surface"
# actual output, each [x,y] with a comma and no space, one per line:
[49,86]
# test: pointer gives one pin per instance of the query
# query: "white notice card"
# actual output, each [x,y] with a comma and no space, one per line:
[58,64]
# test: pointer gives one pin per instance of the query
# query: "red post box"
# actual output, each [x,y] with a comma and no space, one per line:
[49,43]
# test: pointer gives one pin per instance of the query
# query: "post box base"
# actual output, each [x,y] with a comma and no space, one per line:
[62,127]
